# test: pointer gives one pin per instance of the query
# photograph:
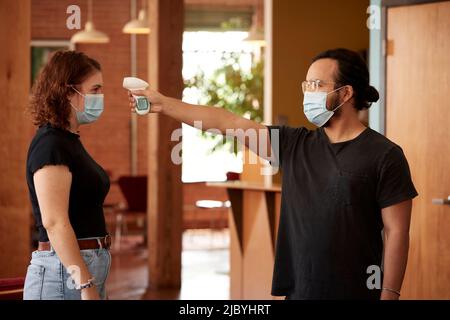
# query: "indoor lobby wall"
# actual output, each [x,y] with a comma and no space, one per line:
[108,140]
[302,29]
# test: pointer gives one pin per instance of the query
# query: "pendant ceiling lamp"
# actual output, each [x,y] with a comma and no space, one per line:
[139,25]
[89,34]
[256,33]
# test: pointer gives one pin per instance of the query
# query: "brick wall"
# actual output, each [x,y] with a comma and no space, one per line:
[108,140]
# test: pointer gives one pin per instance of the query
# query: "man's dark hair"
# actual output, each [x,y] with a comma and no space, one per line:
[353,71]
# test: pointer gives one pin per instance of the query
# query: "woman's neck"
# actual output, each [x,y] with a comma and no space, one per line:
[73,123]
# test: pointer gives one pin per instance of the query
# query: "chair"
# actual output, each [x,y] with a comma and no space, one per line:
[215,206]
[11,288]
[233,176]
[134,190]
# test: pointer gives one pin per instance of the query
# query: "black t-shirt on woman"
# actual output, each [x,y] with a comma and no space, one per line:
[90,183]
[330,223]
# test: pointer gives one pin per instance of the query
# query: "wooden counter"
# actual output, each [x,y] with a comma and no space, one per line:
[253,223]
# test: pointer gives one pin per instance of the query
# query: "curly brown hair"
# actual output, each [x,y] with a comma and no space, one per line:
[52,89]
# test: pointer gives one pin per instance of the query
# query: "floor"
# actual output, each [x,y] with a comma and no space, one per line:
[205,269]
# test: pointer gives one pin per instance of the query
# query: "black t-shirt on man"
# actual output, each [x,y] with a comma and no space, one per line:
[90,183]
[330,228]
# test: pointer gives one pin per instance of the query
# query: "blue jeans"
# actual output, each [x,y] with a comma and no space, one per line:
[48,279]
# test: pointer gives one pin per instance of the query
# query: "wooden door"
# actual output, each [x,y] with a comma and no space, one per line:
[418,119]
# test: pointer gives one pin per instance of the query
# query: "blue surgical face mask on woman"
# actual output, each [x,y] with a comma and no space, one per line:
[315,107]
[93,107]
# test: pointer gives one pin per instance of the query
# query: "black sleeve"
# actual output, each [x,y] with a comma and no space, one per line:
[394,179]
[282,138]
[50,150]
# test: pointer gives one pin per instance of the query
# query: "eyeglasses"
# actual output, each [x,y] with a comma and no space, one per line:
[314,85]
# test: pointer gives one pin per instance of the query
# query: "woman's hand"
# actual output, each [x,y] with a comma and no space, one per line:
[90,294]
[154,97]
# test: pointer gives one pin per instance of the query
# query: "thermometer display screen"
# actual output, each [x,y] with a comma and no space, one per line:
[141,103]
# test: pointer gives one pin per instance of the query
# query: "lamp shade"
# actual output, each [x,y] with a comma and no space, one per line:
[256,32]
[256,37]
[89,35]
[139,25]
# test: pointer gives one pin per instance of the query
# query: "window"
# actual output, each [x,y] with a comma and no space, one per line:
[203,51]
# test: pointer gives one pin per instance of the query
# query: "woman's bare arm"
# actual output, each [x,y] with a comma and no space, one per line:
[52,184]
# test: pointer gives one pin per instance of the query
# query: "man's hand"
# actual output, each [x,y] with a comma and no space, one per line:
[154,97]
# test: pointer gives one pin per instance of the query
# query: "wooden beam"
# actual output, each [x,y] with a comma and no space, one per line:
[399,3]
[165,188]
[14,137]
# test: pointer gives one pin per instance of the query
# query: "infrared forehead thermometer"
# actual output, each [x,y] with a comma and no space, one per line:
[132,84]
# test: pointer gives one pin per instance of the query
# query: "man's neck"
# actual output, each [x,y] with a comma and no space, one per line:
[344,129]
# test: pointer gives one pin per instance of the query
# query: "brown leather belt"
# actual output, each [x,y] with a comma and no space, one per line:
[84,244]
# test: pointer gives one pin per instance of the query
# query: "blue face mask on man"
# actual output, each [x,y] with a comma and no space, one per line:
[315,107]
[93,107]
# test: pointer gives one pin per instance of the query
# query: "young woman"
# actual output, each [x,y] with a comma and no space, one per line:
[67,187]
